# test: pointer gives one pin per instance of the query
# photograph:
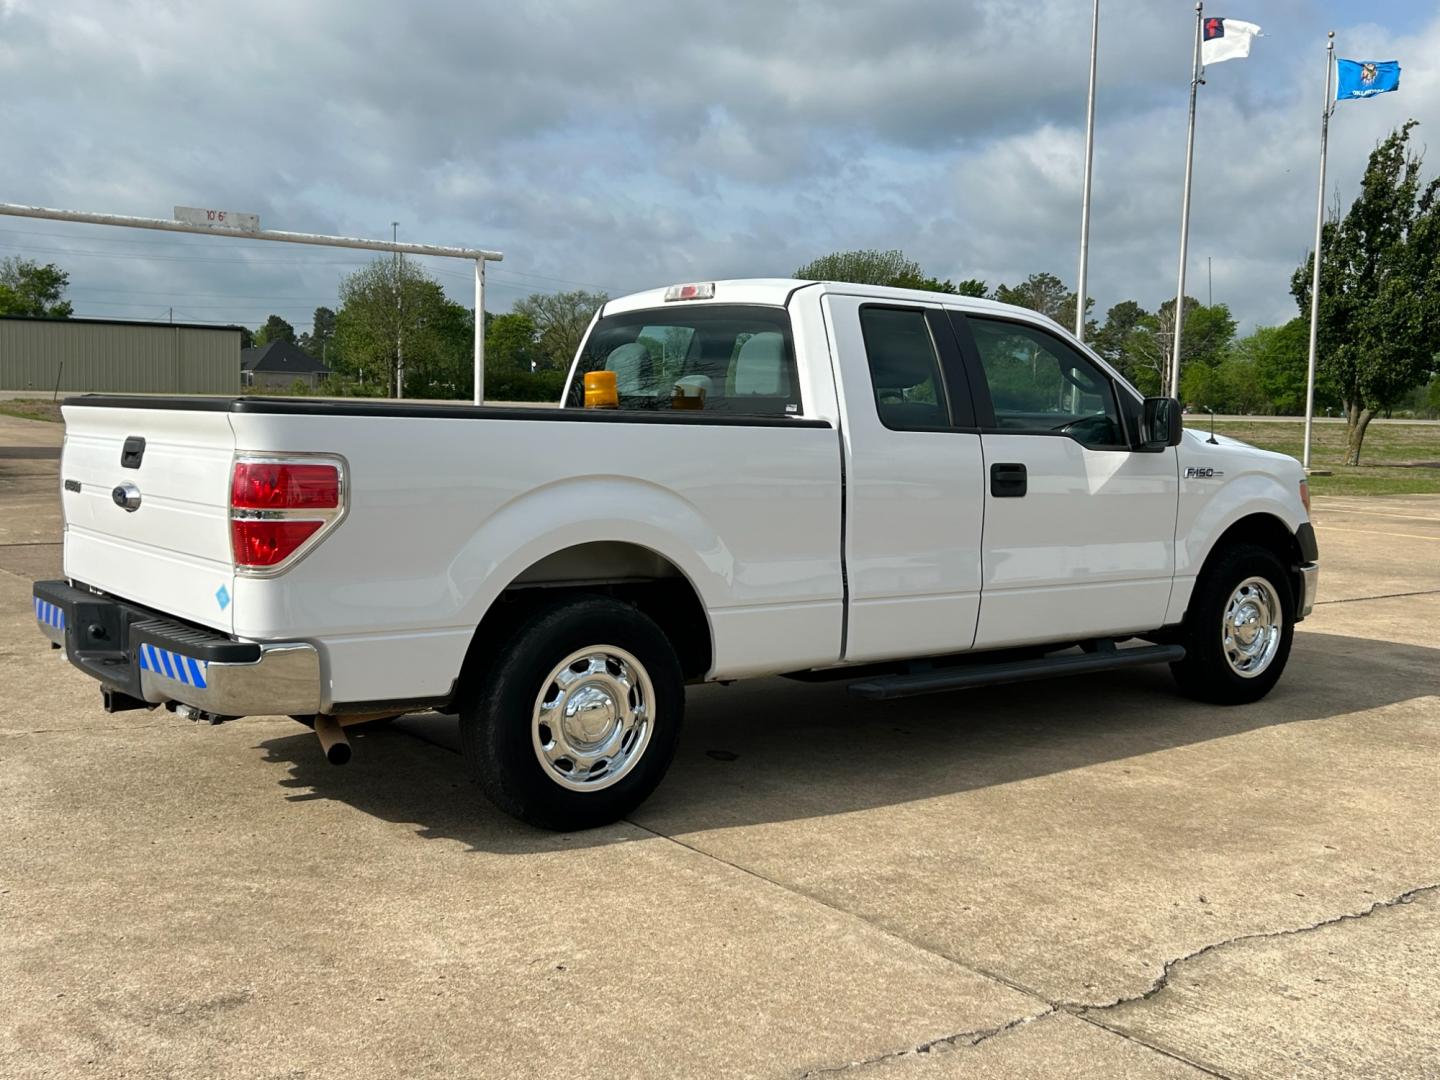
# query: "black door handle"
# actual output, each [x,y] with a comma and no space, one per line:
[1008,480]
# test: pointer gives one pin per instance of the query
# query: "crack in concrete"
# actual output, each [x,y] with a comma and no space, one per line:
[1381,596]
[947,1042]
[1081,1008]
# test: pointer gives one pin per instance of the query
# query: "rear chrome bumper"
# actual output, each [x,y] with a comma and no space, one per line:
[150,658]
[1310,584]
[284,681]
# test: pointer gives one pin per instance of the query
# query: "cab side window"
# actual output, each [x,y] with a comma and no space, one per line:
[1038,384]
[904,369]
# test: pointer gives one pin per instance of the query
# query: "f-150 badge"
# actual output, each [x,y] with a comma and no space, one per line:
[1196,472]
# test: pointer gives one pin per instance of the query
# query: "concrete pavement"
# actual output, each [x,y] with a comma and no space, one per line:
[1084,878]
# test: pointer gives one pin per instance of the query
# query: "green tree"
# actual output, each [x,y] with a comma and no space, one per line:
[1142,342]
[1379,318]
[1048,295]
[865,267]
[275,329]
[27,288]
[893,268]
[1109,340]
[320,338]
[560,320]
[511,343]
[392,310]
[1044,293]
[1280,355]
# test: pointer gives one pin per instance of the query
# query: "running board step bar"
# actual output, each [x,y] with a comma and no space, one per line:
[887,687]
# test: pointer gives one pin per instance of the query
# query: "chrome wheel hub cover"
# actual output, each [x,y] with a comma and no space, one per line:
[1252,628]
[593,718]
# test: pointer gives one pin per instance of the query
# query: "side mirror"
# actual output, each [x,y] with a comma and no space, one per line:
[1161,425]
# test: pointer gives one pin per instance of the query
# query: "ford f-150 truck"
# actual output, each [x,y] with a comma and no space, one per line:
[911,491]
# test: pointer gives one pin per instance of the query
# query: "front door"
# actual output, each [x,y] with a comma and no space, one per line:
[1079,536]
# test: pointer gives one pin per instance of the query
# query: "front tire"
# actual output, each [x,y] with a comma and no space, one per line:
[574,720]
[1239,628]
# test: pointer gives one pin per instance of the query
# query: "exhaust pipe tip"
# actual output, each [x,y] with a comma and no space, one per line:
[332,740]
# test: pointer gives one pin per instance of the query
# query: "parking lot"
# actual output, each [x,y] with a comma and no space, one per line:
[1090,877]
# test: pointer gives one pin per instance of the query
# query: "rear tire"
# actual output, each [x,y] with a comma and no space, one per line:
[574,720]
[1238,629]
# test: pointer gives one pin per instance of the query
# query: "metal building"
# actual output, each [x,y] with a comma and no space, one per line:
[124,357]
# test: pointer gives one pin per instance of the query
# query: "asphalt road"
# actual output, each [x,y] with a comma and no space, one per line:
[1082,878]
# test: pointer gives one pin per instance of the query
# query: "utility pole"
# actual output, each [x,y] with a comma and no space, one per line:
[399,312]
[1209,283]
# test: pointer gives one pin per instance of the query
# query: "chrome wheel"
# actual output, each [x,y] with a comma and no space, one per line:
[593,718]
[1252,628]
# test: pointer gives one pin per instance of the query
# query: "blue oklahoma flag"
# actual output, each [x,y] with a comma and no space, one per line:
[1366,78]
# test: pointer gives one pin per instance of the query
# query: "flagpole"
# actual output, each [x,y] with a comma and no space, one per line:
[1319,228]
[1089,168]
[1185,211]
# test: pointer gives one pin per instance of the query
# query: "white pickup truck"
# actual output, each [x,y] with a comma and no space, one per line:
[911,491]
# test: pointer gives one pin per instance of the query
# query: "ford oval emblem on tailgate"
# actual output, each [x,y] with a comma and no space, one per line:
[127,497]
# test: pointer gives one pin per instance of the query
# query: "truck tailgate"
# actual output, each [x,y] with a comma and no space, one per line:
[172,552]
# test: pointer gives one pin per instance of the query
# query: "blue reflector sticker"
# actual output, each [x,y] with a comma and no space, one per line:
[222,597]
[173,665]
[49,614]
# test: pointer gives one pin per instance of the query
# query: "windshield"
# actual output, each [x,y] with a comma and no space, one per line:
[733,359]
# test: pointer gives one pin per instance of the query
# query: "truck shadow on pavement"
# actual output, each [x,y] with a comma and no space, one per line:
[778,750]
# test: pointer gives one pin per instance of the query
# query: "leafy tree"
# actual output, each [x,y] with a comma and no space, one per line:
[391,309]
[893,268]
[1231,386]
[1048,295]
[27,288]
[321,336]
[1044,293]
[1120,322]
[511,343]
[275,329]
[1280,355]
[866,267]
[1142,343]
[247,337]
[1379,318]
[1208,334]
[560,321]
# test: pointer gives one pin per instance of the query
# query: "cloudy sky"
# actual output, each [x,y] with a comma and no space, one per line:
[623,144]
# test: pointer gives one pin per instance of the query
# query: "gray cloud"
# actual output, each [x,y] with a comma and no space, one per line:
[622,145]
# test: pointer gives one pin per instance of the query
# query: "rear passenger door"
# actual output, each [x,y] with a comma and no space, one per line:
[913,472]
[1079,536]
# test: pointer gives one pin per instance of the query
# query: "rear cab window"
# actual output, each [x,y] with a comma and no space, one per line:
[726,359]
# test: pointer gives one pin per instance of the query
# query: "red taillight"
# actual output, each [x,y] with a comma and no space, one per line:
[268,543]
[276,485]
[279,509]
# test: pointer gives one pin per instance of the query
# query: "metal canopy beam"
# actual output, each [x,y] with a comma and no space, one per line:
[166,225]
[480,256]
